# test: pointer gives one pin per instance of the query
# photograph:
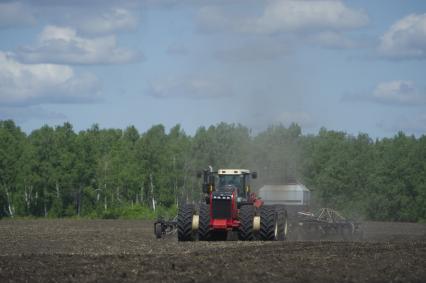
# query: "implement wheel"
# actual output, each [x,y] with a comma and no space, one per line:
[158,230]
[269,226]
[246,215]
[184,223]
[204,225]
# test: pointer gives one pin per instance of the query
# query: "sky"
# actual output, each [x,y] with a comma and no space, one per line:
[353,66]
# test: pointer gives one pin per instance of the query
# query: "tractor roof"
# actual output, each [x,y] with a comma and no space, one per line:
[233,171]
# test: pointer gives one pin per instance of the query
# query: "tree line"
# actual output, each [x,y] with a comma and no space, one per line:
[57,172]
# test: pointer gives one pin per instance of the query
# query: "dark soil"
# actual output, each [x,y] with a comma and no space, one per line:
[117,250]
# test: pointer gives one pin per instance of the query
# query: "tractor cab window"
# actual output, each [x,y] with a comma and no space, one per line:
[232,180]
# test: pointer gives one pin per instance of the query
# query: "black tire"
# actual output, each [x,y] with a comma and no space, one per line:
[204,223]
[158,231]
[268,224]
[246,215]
[184,223]
[282,223]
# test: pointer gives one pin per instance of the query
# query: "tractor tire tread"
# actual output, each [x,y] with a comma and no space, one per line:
[204,224]
[184,223]
[267,223]
[282,222]
[245,231]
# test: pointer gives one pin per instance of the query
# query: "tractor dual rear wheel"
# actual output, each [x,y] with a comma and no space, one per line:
[282,223]
[246,215]
[272,224]
[204,224]
[184,223]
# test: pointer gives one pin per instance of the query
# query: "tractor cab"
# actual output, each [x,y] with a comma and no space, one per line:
[227,182]
[236,180]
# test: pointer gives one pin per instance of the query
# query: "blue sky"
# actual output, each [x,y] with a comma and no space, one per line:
[355,66]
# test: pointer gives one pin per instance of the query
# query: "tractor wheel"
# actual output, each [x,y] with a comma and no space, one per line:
[282,223]
[204,225]
[158,230]
[268,224]
[245,231]
[184,223]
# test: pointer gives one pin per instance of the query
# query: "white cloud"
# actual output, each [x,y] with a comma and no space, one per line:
[14,14]
[325,23]
[405,39]
[287,16]
[62,45]
[301,15]
[398,92]
[211,18]
[88,17]
[116,19]
[22,84]
[193,88]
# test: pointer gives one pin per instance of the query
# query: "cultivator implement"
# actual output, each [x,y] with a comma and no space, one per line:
[326,223]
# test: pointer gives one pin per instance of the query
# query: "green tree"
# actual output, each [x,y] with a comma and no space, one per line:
[12,142]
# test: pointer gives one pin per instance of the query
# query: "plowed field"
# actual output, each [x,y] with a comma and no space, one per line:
[118,250]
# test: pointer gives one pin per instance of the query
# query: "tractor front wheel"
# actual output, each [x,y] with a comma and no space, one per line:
[184,223]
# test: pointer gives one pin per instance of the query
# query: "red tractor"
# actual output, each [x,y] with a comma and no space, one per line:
[230,207]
